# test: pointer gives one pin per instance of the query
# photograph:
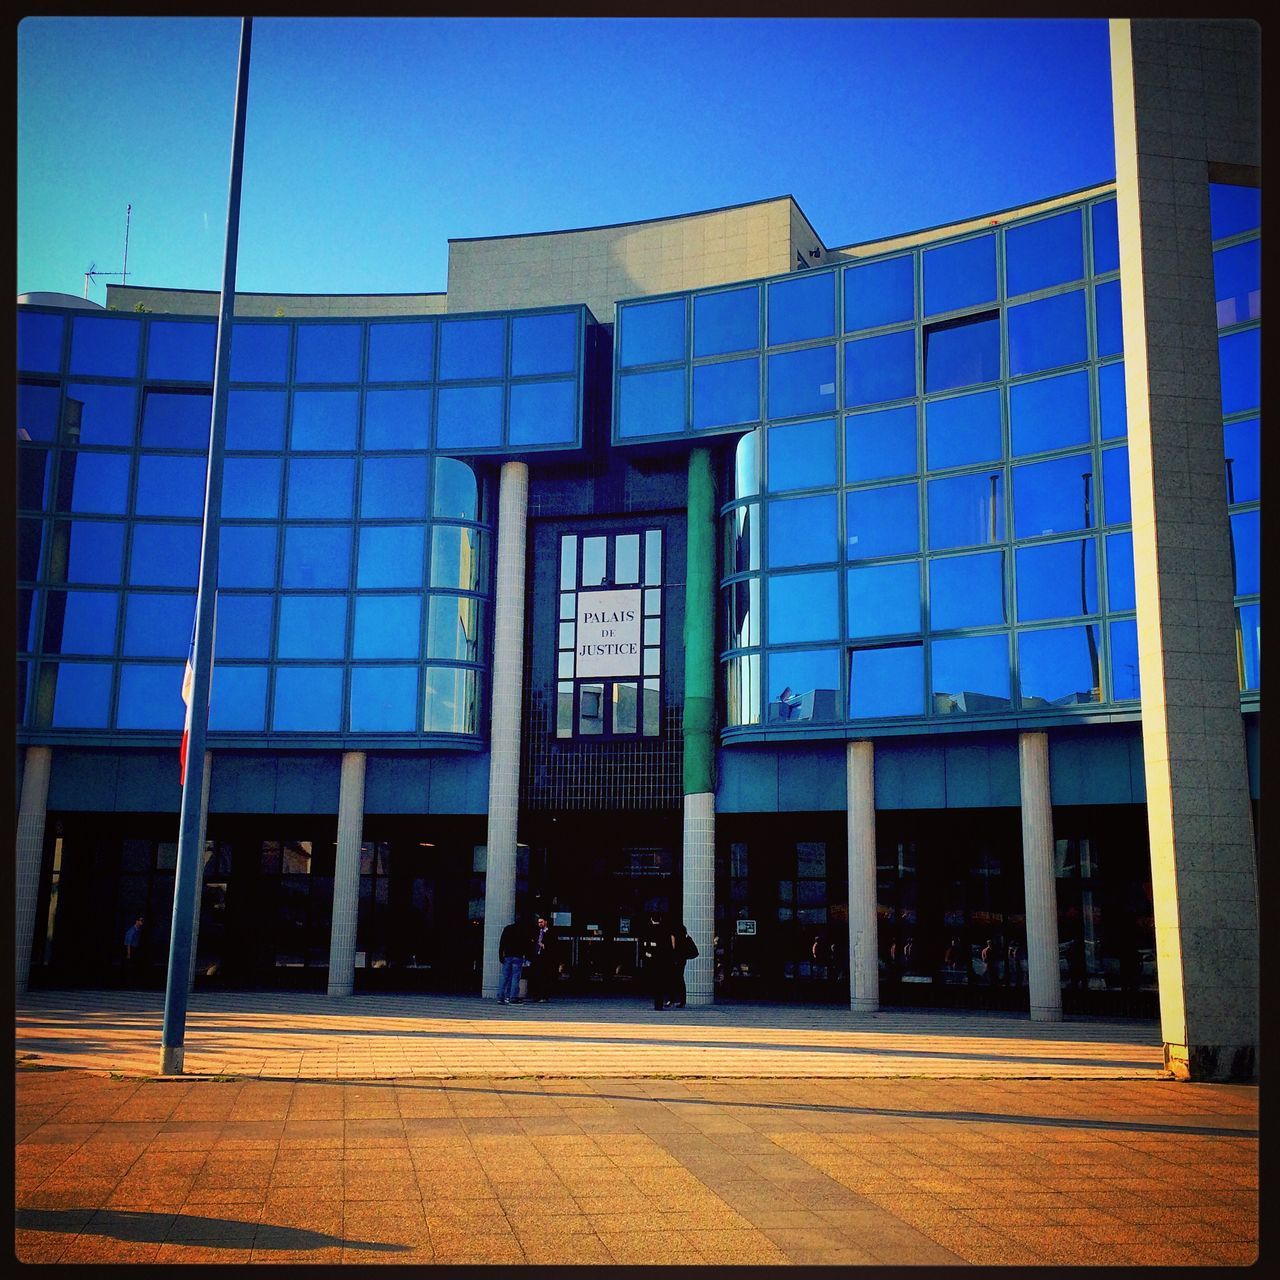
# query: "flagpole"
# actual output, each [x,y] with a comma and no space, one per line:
[173,1030]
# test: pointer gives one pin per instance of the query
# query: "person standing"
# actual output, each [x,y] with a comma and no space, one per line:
[512,946]
[662,960]
[133,944]
[684,949]
[540,961]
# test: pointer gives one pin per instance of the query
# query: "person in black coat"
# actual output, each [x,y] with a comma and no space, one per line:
[683,950]
[513,948]
[541,960]
[660,944]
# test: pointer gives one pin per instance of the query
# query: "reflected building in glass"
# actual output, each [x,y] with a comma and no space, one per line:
[829,522]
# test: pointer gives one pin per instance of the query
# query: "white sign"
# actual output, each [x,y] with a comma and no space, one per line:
[746,927]
[608,633]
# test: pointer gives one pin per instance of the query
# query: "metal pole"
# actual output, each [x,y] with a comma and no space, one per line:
[173,1031]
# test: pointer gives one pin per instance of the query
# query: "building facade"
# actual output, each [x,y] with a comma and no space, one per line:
[888,612]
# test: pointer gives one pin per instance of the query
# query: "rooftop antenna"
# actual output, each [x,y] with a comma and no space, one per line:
[93,273]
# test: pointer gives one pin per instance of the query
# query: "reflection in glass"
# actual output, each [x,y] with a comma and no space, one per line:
[802,382]
[801,307]
[1054,497]
[246,556]
[255,420]
[591,709]
[317,555]
[967,591]
[879,368]
[652,332]
[468,417]
[544,344]
[746,465]
[543,413]
[1108,319]
[1115,485]
[453,628]
[96,413]
[394,488]
[386,627]
[1249,620]
[1106,238]
[83,622]
[181,352]
[1111,401]
[803,606]
[802,455]
[963,429]
[397,419]
[1057,579]
[38,412]
[307,699]
[883,599]
[742,689]
[625,707]
[456,558]
[803,531]
[742,539]
[1059,667]
[251,488]
[150,697]
[886,681]
[92,482]
[568,561]
[1241,450]
[594,572]
[169,486]
[312,627]
[879,293]
[176,420]
[1246,546]
[239,699]
[1120,585]
[881,522]
[104,348]
[652,404]
[962,353]
[324,420]
[39,341]
[260,352]
[626,553]
[401,352]
[966,511]
[457,492]
[970,673]
[1047,333]
[328,353]
[726,322]
[1046,252]
[243,628]
[384,699]
[960,275]
[321,487]
[390,556]
[1233,209]
[804,684]
[31,542]
[1125,676]
[742,613]
[34,469]
[880,444]
[1239,370]
[452,700]
[652,557]
[726,393]
[82,695]
[1051,413]
[158,626]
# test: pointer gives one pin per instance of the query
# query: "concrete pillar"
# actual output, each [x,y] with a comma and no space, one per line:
[205,775]
[1200,822]
[864,948]
[700,895]
[346,876]
[1040,885]
[29,855]
[504,731]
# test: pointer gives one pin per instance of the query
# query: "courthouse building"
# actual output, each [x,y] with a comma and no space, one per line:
[889,612]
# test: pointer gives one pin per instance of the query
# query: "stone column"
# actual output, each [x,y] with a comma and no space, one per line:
[346,876]
[29,857]
[204,862]
[1185,98]
[504,730]
[864,947]
[1040,885]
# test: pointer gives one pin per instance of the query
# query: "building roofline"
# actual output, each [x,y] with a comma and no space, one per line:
[276,293]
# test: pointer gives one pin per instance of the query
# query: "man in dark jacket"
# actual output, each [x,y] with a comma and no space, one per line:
[541,961]
[513,946]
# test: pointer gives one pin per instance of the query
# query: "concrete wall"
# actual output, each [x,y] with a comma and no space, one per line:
[201,302]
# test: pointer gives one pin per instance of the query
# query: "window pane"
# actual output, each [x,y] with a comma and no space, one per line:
[321,487]
[456,558]
[967,591]
[105,415]
[328,353]
[317,555]
[879,293]
[239,699]
[803,606]
[652,558]
[1051,413]
[251,488]
[886,682]
[1240,447]
[960,275]
[453,628]
[966,511]
[1120,587]
[1237,278]
[181,352]
[312,626]
[452,700]
[1125,682]
[1250,623]
[324,420]
[30,546]
[1233,209]
[1057,580]
[468,417]
[1238,367]
[260,353]
[742,613]
[384,699]
[1246,545]
[801,307]
[1106,238]
[396,420]
[970,674]
[387,627]
[742,678]
[95,550]
[169,486]
[652,403]
[1115,485]
[1047,333]
[457,492]
[243,628]
[394,488]
[158,626]
[594,565]
[543,413]
[882,522]
[727,393]
[963,429]
[725,322]
[880,368]
[247,556]
[883,599]
[1110,326]
[150,697]
[961,353]
[401,352]
[38,412]
[802,455]
[1054,497]
[802,382]
[174,420]
[804,685]
[626,559]
[255,420]
[39,341]
[1043,253]
[93,482]
[652,332]
[544,344]
[742,539]
[308,698]
[82,696]
[390,556]
[83,622]
[880,444]
[34,469]
[104,348]
[803,531]
[473,348]
[1112,408]
[1059,667]
[625,707]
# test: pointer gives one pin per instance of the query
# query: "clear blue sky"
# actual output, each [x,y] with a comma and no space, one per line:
[371,141]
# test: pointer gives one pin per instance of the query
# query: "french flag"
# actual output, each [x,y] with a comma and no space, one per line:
[188,684]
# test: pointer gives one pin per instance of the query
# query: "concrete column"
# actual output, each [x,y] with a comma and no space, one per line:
[504,730]
[700,895]
[1039,883]
[205,775]
[29,855]
[346,876]
[864,948]
[1200,822]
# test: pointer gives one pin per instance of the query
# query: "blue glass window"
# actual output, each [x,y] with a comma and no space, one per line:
[1051,413]
[255,420]
[963,429]
[82,695]
[39,341]
[1115,485]
[28,611]
[746,465]
[468,417]
[473,348]
[38,411]
[391,556]
[321,488]
[803,531]
[307,698]
[31,545]
[100,413]
[453,627]
[324,420]
[962,353]
[877,369]
[879,293]
[387,627]
[802,455]
[1112,408]
[880,444]
[1237,279]
[543,413]
[1246,546]
[1240,447]
[544,344]
[966,511]
[727,393]
[881,522]
[802,382]
[1059,667]
[652,332]
[1046,252]
[1238,366]
[1106,238]
[1110,324]
[457,492]
[169,486]
[317,555]
[401,352]
[34,469]
[150,697]
[96,551]
[457,558]
[1250,624]
[397,419]
[803,606]
[1233,209]
[104,348]
[1120,585]
[247,556]
[174,420]
[91,482]
[451,702]
[328,353]
[970,674]
[312,626]
[165,555]
[251,488]
[260,353]
[801,307]
[243,628]
[886,682]
[238,699]
[181,352]
[394,488]
[967,591]
[804,685]
[1047,333]
[83,622]
[1054,497]
[960,275]
[384,699]
[652,404]
[1057,580]
[158,626]
[1125,681]
[884,599]
[726,322]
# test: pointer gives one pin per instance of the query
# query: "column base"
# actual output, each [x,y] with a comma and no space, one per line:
[864,1004]
[171,1061]
[340,988]
[1051,1014]
[1216,1063]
